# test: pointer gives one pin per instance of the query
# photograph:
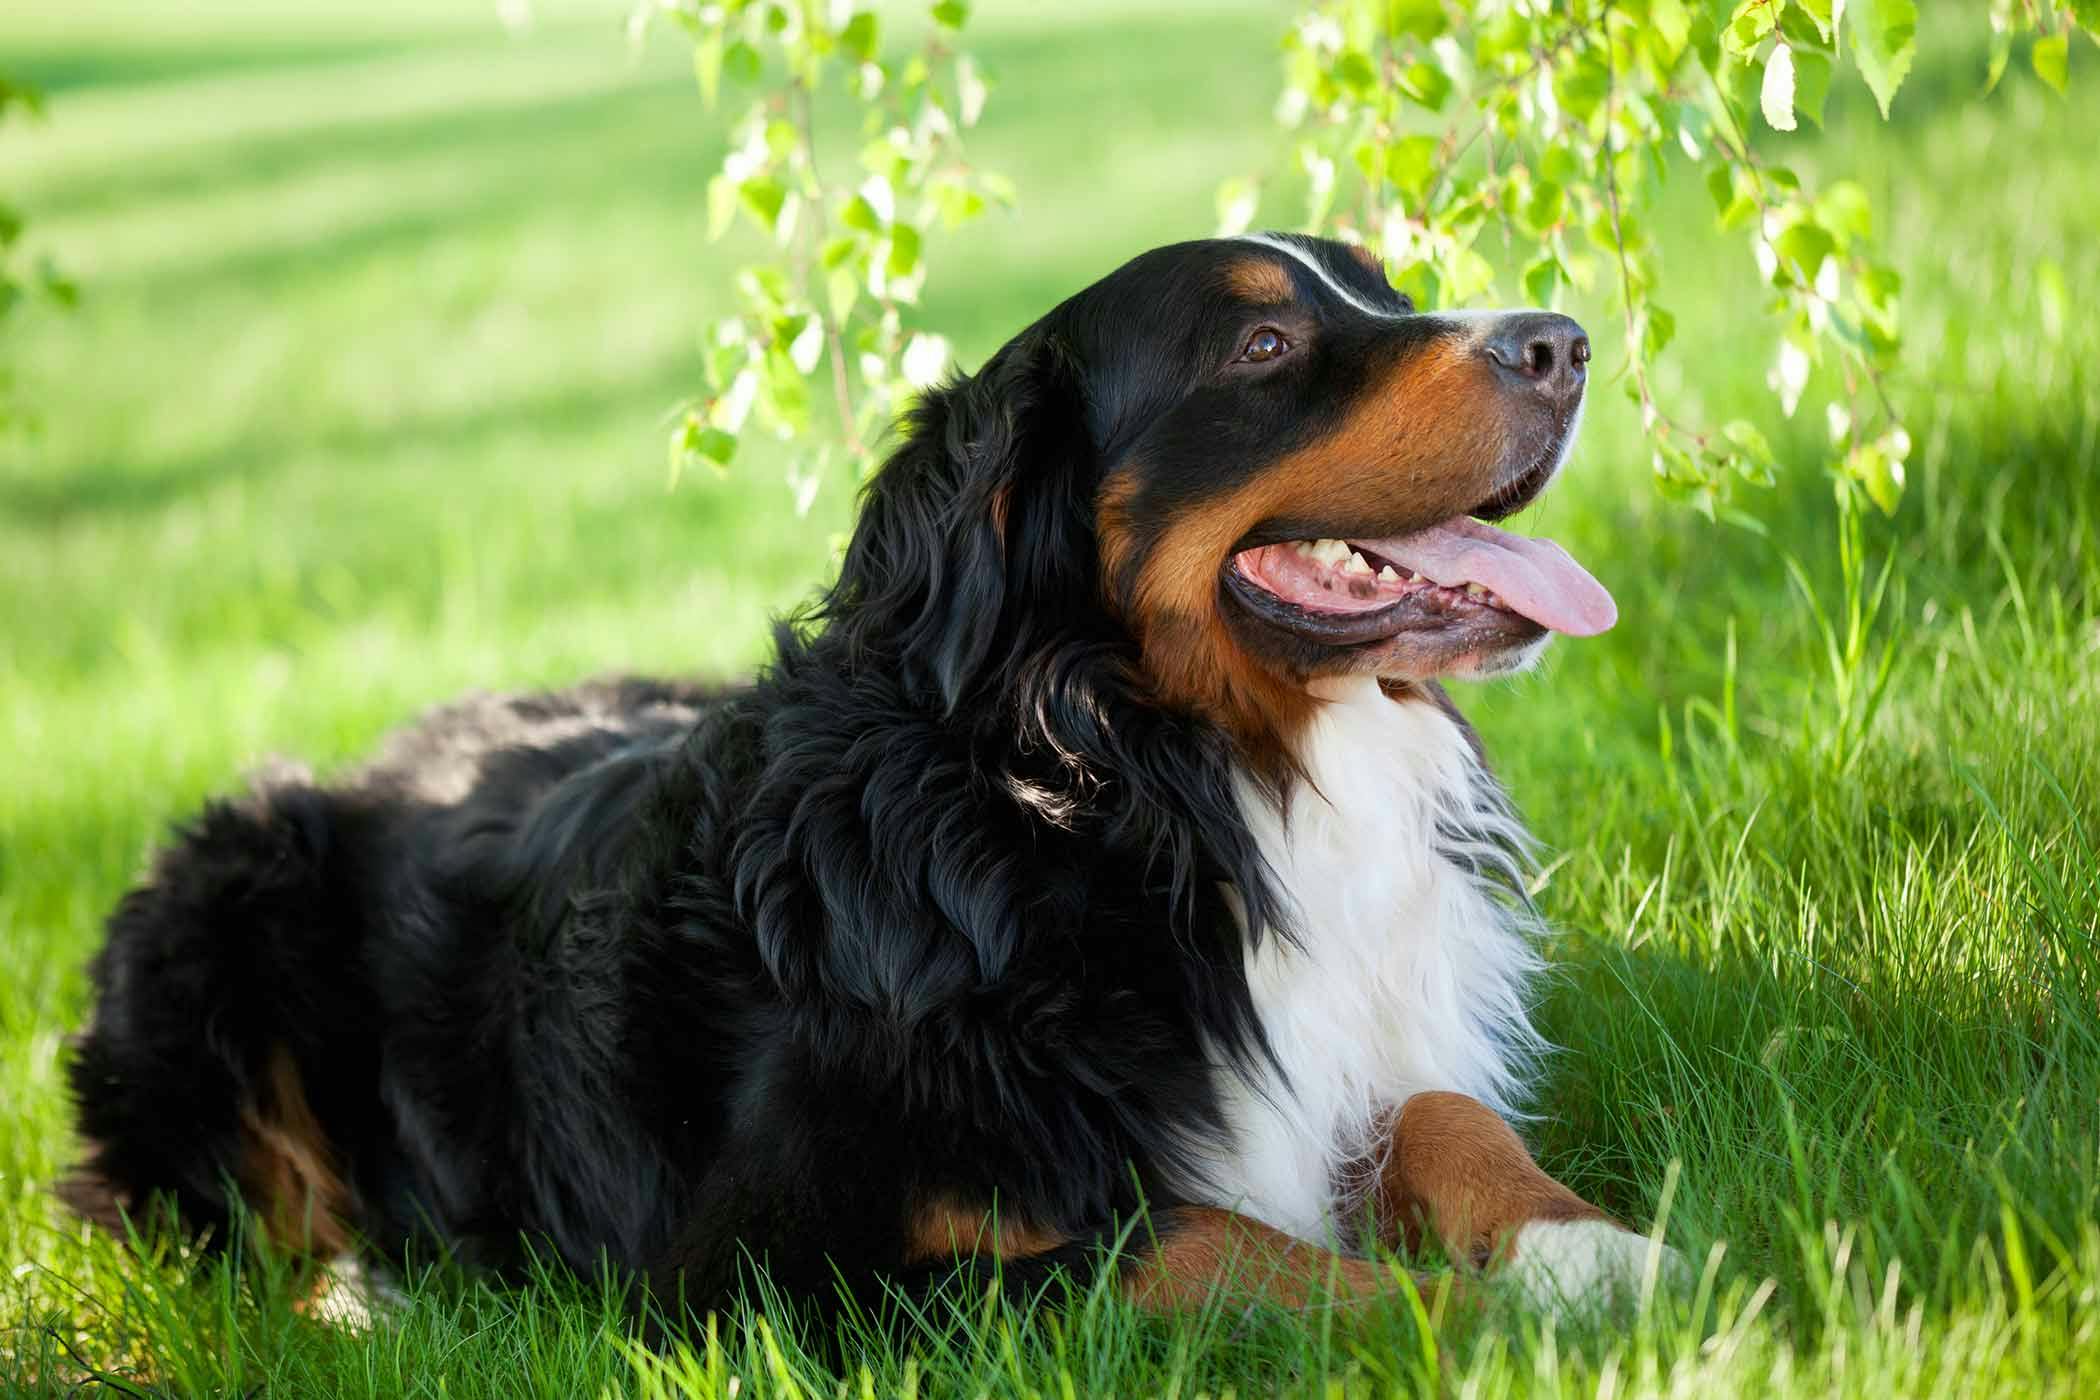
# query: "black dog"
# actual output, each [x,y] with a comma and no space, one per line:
[1100,842]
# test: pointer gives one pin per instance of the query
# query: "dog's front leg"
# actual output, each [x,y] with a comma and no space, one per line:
[1455,1170]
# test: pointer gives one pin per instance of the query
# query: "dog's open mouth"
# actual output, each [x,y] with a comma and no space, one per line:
[1459,564]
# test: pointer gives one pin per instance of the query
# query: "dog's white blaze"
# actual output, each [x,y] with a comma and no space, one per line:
[1410,970]
[1476,323]
[1312,264]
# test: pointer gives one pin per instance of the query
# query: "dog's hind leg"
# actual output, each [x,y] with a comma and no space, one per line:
[228,1018]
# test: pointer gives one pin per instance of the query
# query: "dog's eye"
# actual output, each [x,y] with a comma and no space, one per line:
[1265,344]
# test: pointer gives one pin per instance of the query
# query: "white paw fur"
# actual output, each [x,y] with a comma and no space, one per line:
[1556,1264]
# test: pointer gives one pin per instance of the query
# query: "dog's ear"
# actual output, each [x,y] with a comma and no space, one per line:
[976,530]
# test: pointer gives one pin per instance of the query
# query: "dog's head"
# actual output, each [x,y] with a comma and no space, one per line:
[1255,461]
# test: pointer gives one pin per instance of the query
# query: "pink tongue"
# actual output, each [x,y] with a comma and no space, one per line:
[1534,577]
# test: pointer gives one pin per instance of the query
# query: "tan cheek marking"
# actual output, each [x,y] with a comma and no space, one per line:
[1114,529]
[1259,280]
[1425,441]
[289,1169]
[947,1229]
[1457,1170]
[1434,444]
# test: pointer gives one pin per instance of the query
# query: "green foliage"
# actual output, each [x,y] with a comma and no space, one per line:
[1425,125]
[20,281]
[836,306]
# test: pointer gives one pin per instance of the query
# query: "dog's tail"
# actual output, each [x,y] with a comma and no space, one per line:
[229,1025]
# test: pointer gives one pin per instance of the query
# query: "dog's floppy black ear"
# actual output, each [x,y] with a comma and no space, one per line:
[977,528]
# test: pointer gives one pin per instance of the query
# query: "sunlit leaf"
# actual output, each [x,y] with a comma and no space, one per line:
[707,68]
[1319,185]
[1353,71]
[742,62]
[1672,24]
[1776,96]
[861,36]
[1238,199]
[841,290]
[1845,208]
[904,251]
[1660,330]
[1789,376]
[1410,164]
[1426,84]
[858,213]
[925,358]
[1541,280]
[1884,41]
[1419,19]
[881,199]
[1804,245]
[1751,23]
[970,91]
[715,445]
[764,197]
[2001,54]
[721,205]
[2051,58]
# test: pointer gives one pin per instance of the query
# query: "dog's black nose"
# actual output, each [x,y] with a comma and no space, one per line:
[1543,352]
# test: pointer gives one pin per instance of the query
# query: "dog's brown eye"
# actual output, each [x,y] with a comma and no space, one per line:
[1264,344]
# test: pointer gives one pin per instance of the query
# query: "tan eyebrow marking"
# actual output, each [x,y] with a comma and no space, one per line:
[1313,265]
[1259,280]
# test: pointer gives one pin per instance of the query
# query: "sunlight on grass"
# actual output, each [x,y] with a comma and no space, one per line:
[365,407]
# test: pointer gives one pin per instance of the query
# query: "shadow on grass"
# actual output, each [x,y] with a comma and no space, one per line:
[63,70]
[104,488]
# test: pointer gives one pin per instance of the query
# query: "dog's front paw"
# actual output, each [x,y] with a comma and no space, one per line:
[1559,1264]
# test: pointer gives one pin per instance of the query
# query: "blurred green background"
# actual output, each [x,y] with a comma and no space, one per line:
[385,305]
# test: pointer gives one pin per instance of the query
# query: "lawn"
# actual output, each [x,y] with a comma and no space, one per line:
[364,406]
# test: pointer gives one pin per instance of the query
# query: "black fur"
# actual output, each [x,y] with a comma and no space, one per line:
[933,910]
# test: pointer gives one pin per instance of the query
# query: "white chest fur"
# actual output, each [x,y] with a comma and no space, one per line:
[1410,966]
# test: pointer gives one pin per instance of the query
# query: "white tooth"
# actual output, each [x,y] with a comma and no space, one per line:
[1329,551]
[1302,546]
[1475,589]
[1356,564]
[1386,575]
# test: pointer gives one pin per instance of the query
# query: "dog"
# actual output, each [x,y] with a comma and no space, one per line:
[1098,883]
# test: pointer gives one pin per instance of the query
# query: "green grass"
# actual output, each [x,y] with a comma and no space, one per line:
[364,407]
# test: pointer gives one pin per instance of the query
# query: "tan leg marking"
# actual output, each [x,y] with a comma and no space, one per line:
[947,1229]
[1457,1171]
[288,1170]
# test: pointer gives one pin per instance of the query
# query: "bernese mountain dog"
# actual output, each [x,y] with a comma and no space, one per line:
[1098,883]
